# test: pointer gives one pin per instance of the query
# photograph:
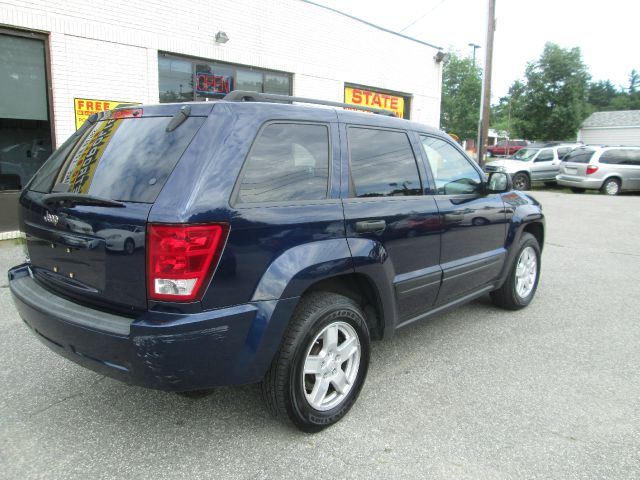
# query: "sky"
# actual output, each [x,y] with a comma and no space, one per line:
[606,32]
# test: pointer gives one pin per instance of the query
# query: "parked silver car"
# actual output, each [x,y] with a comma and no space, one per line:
[535,163]
[609,169]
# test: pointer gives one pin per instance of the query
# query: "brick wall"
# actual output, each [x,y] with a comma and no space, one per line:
[109,50]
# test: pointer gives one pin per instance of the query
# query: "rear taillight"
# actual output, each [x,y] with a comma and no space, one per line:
[182,258]
[591,169]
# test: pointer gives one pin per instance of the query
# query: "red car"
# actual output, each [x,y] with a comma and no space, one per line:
[506,147]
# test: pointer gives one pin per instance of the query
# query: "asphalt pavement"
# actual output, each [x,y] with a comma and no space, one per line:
[549,392]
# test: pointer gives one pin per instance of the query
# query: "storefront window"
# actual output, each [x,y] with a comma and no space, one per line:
[25,131]
[249,80]
[275,83]
[176,80]
[184,80]
[213,81]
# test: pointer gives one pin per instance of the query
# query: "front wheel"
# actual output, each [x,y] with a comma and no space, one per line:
[521,181]
[317,375]
[520,286]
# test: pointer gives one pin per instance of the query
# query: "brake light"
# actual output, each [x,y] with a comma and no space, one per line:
[591,169]
[126,113]
[182,258]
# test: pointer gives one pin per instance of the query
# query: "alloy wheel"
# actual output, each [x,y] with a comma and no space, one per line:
[331,366]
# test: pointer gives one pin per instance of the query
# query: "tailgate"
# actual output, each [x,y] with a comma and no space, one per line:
[85,212]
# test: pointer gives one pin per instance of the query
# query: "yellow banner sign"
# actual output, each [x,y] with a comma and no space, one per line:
[84,107]
[368,98]
[87,157]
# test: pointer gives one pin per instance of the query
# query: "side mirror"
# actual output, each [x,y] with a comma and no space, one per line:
[499,182]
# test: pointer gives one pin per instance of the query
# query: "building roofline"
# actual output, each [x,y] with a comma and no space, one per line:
[406,37]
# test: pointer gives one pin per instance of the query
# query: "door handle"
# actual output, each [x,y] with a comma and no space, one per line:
[370,226]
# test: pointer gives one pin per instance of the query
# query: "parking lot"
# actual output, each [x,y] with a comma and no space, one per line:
[552,391]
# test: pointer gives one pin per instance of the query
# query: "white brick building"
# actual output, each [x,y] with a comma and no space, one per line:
[142,52]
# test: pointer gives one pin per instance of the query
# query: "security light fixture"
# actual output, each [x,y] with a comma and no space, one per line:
[441,57]
[221,37]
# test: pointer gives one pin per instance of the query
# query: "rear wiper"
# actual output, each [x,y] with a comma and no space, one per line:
[179,118]
[72,199]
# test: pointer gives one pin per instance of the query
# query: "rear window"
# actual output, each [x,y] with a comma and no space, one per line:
[579,155]
[126,159]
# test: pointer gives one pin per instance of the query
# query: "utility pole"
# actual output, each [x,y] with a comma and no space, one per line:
[485,102]
[475,47]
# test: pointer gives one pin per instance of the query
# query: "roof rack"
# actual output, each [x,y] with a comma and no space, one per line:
[245,96]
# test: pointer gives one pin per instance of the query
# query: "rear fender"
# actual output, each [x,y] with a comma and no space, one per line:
[298,268]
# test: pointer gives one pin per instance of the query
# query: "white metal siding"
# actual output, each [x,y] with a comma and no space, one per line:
[610,136]
[109,50]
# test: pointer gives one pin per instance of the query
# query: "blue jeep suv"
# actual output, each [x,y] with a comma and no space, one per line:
[259,239]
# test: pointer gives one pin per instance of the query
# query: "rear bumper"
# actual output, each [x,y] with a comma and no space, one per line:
[578,182]
[165,351]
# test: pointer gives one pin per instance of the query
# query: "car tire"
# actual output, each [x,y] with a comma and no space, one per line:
[129,246]
[327,338]
[611,186]
[521,181]
[522,280]
[578,190]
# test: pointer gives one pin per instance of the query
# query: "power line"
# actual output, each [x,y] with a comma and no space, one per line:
[422,16]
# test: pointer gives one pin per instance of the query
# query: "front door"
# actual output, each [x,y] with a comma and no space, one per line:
[474,224]
[389,220]
[545,166]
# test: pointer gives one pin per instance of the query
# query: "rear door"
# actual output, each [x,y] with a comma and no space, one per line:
[473,224]
[85,211]
[545,165]
[625,163]
[388,217]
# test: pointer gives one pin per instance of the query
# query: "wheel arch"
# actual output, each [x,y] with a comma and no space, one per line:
[537,230]
[360,289]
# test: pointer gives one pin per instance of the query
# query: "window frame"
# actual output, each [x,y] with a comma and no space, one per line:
[432,179]
[349,178]
[235,192]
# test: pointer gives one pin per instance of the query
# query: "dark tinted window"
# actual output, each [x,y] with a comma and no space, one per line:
[382,163]
[579,155]
[288,162]
[613,157]
[634,157]
[452,172]
[622,156]
[125,159]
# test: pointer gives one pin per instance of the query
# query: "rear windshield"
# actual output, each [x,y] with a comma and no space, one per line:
[579,155]
[126,159]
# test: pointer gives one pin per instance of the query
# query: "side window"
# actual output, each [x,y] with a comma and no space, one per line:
[613,157]
[288,162]
[545,155]
[382,164]
[452,172]
[634,158]
[563,151]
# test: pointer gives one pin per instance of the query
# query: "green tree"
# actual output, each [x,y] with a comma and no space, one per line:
[504,115]
[554,101]
[461,89]
[634,81]
[601,95]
